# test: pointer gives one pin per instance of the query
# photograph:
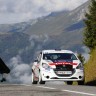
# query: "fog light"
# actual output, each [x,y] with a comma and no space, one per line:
[80,77]
[47,77]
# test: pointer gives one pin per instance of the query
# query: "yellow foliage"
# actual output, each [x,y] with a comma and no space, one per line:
[90,68]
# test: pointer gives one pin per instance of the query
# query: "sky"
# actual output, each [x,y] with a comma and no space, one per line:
[14,11]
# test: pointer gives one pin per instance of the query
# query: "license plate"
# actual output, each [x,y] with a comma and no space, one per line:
[64,72]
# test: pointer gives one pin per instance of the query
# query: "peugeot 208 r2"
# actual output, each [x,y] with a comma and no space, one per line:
[52,65]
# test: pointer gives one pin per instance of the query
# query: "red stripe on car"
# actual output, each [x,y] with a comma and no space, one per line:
[63,63]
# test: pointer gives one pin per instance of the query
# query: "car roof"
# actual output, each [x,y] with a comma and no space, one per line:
[56,51]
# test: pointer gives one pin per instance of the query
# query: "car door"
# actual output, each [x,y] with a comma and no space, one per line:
[37,65]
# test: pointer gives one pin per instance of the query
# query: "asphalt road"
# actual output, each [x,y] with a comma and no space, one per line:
[46,90]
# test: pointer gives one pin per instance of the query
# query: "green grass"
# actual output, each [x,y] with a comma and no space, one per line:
[90,69]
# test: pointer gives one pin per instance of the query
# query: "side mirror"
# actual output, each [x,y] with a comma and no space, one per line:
[35,60]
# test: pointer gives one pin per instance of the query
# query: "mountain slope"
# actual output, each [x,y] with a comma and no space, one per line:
[11,43]
[65,29]
[58,23]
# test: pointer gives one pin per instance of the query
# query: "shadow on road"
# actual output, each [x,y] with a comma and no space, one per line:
[91,83]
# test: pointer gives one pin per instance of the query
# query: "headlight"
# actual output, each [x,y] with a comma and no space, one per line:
[80,66]
[46,66]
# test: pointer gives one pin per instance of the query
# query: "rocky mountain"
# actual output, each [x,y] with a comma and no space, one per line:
[17,27]
[61,30]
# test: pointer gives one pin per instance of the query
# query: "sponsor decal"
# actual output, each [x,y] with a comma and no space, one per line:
[63,63]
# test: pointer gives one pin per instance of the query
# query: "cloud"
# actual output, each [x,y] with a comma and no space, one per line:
[22,10]
[20,72]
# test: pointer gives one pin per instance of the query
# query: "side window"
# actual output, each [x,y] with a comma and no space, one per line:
[73,57]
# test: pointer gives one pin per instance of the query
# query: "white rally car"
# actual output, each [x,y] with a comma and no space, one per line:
[59,65]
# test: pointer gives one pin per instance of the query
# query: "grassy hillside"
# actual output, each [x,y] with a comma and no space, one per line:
[90,69]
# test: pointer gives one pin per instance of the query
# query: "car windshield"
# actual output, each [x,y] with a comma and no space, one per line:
[59,56]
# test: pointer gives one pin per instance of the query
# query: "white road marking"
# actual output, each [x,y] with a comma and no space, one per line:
[16,84]
[46,87]
[25,85]
[77,92]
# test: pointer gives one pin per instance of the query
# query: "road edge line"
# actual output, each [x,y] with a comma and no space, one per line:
[77,92]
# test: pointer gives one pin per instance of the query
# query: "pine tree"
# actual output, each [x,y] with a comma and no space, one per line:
[90,26]
[81,57]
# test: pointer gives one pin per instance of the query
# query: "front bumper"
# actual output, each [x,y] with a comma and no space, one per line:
[50,75]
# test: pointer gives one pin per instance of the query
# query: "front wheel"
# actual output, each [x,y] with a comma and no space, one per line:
[81,82]
[40,80]
[33,79]
[69,82]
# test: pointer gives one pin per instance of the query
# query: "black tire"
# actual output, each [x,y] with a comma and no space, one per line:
[33,80]
[81,82]
[69,82]
[41,81]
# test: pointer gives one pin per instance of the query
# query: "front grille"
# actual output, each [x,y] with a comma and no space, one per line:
[64,68]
